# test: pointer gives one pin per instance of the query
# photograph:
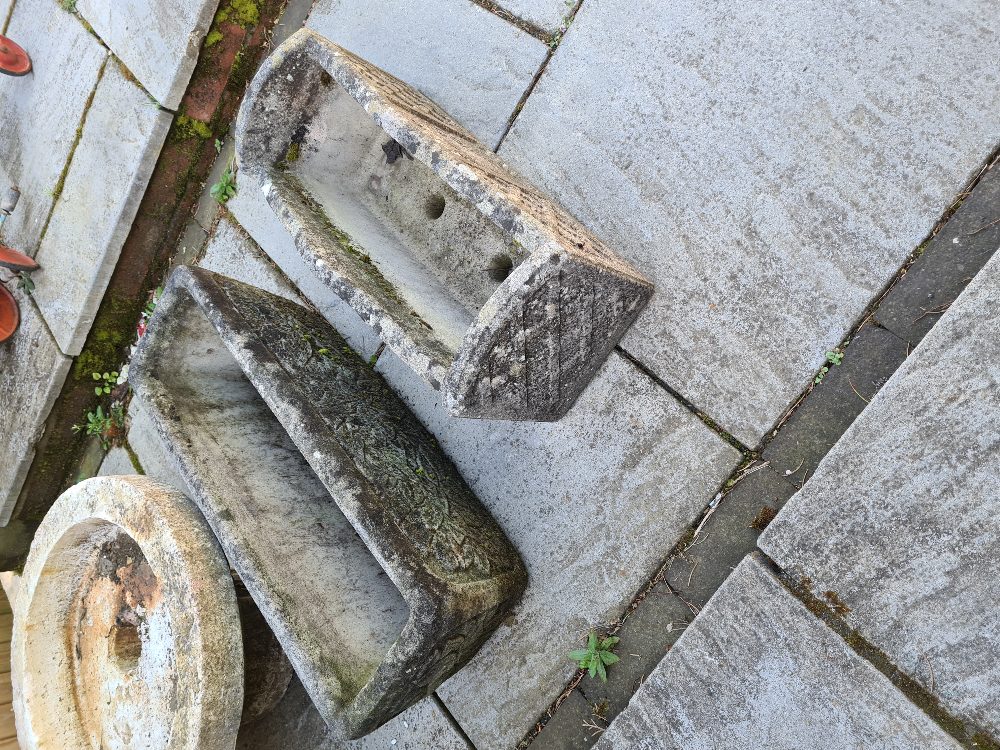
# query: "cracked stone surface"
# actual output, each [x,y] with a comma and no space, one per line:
[545,14]
[769,172]
[159,42]
[119,144]
[32,372]
[627,463]
[757,670]
[899,520]
[42,110]
[472,63]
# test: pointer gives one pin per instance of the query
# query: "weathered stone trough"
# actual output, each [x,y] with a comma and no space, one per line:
[126,628]
[371,559]
[488,289]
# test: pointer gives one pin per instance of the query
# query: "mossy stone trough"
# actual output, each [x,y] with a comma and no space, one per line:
[481,284]
[370,558]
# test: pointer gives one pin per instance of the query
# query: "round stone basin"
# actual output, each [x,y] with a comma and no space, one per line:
[127,632]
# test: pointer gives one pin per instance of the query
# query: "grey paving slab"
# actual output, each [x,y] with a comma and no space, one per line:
[116,464]
[757,670]
[544,14]
[40,112]
[231,252]
[768,171]
[149,448]
[111,166]
[159,42]
[32,372]
[571,728]
[593,503]
[962,247]
[295,723]
[469,61]
[899,520]
[5,8]
[818,422]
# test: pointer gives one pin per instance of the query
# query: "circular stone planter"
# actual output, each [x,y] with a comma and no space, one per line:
[127,631]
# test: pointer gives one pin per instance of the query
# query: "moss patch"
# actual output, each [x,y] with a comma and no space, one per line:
[214,37]
[245,13]
[187,127]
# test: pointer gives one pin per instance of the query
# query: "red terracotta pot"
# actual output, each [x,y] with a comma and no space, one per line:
[16,261]
[14,61]
[10,316]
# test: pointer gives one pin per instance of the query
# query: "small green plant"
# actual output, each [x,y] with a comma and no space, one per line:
[598,655]
[104,426]
[834,358]
[225,188]
[25,283]
[218,146]
[150,307]
[69,5]
[106,382]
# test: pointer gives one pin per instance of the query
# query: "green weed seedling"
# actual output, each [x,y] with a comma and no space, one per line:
[597,656]
[834,357]
[106,382]
[225,188]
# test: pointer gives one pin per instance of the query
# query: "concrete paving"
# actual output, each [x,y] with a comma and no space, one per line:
[757,670]
[119,143]
[470,62]
[42,111]
[768,171]
[32,370]
[899,521]
[159,42]
[544,14]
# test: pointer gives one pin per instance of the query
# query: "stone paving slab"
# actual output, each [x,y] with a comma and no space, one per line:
[899,521]
[159,42]
[116,464]
[231,252]
[757,670]
[593,503]
[148,446]
[42,111]
[118,148]
[768,171]
[962,247]
[472,63]
[32,372]
[545,14]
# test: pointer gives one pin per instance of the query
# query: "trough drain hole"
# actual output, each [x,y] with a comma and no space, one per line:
[500,267]
[126,645]
[434,207]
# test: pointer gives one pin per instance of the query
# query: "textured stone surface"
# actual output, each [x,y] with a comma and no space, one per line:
[159,42]
[594,503]
[757,670]
[157,660]
[408,573]
[899,520]
[950,260]
[869,361]
[232,253]
[116,464]
[42,111]
[149,447]
[484,286]
[769,171]
[472,63]
[296,723]
[32,371]
[118,147]
[545,14]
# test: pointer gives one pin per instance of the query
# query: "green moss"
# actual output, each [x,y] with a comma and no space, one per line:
[245,13]
[292,154]
[214,37]
[188,127]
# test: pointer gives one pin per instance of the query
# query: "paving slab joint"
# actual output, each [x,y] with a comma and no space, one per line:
[525,26]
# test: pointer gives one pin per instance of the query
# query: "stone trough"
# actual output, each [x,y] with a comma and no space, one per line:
[126,627]
[488,289]
[371,559]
